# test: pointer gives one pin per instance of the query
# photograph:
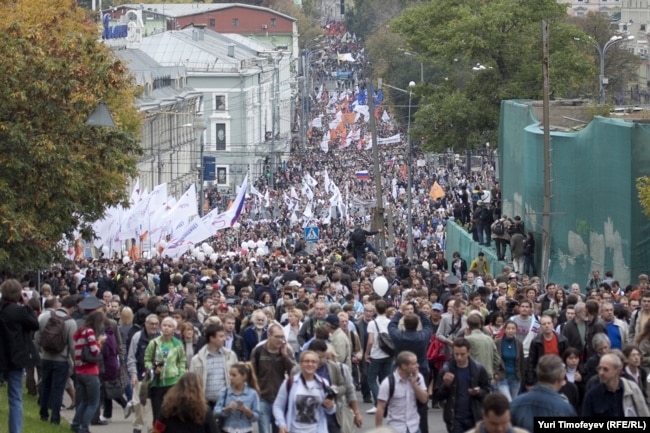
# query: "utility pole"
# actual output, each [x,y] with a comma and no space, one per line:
[546,213]
[379,210]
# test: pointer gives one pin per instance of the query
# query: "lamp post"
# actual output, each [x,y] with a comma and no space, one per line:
[200,127]
[409,164]
[413,53]
[601,52]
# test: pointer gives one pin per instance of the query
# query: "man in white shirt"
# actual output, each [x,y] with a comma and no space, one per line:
[380,362]
[408,388]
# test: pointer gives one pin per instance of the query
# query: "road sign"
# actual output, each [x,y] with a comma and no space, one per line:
[312,234]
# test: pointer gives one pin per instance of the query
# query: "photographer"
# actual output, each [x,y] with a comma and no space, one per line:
[165,357]
[304,399]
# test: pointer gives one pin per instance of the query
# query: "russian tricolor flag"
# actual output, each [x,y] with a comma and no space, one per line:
[363,174]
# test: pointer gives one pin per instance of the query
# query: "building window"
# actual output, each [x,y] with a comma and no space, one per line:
[642,27]
[220,103]
[235,22]
[221,136]
[273,22]
[212,22]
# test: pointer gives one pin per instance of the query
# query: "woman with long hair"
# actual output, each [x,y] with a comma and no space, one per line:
[165,356]
[190,341]
[87,383]
[511,370]
[239,403]
[184,409]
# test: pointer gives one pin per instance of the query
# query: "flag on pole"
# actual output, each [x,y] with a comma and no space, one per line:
[228,218]
[436,191]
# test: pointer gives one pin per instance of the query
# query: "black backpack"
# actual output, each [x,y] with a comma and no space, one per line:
[385,342]
[499,228]
[53,334]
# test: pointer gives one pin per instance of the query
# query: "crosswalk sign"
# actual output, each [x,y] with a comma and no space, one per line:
[312,234]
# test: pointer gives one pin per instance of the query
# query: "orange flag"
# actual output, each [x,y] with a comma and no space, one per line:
[436,191]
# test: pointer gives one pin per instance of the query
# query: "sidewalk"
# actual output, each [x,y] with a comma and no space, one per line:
[117,424]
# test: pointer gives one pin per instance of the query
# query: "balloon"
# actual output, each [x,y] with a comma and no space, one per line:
[244,251]
[205,245]
[380,286]
[243,244]
[214,257]
[236,226]
[260,243]
[145,254]
[195,252]
[208,250]
[250,245]
[126,259]
[105,250]
[200,256]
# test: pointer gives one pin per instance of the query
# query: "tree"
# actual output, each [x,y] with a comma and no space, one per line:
[56,173]
[504,36]
[643,188]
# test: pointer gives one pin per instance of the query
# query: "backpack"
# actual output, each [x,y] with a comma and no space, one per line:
[483,214]
[53,334]
[385,342]
[499,228]
[435,353]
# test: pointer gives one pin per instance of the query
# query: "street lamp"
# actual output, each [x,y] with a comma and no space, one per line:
[409,193]
[199,128]
[602,50]
[413,53]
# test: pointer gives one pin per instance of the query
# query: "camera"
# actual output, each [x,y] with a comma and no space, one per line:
[158,364]
[331,393]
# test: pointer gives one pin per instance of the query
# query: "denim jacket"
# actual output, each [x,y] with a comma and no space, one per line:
[542,400]
[236,421]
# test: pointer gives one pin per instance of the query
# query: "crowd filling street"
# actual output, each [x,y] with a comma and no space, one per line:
[270,332]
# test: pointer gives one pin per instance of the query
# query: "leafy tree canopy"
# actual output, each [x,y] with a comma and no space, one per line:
[461,109]
[56,173]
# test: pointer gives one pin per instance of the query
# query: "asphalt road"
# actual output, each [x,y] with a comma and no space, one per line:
[119,425]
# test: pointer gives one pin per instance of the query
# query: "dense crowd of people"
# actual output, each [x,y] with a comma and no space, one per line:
[294,340]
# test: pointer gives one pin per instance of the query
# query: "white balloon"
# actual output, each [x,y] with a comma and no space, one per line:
[380,286]
[250,245]
[200,256]
[214,257]
[105,249]
[126,259]
[236,226]
[260,243]
[195,252]
[204,246]
[208,250]
[145,254]
[243,244]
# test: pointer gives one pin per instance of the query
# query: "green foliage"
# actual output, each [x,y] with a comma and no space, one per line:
[462,109]
[56,173]
[643,188]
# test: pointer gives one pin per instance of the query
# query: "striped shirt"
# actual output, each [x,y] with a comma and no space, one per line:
[85,336]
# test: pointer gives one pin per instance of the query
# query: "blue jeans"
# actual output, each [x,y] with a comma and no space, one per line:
[14,380]
[509,387]
[55,376]
[378,369]
[86,387]
[266,421]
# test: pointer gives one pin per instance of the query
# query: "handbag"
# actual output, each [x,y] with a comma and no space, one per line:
[220,420]
[113,389]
